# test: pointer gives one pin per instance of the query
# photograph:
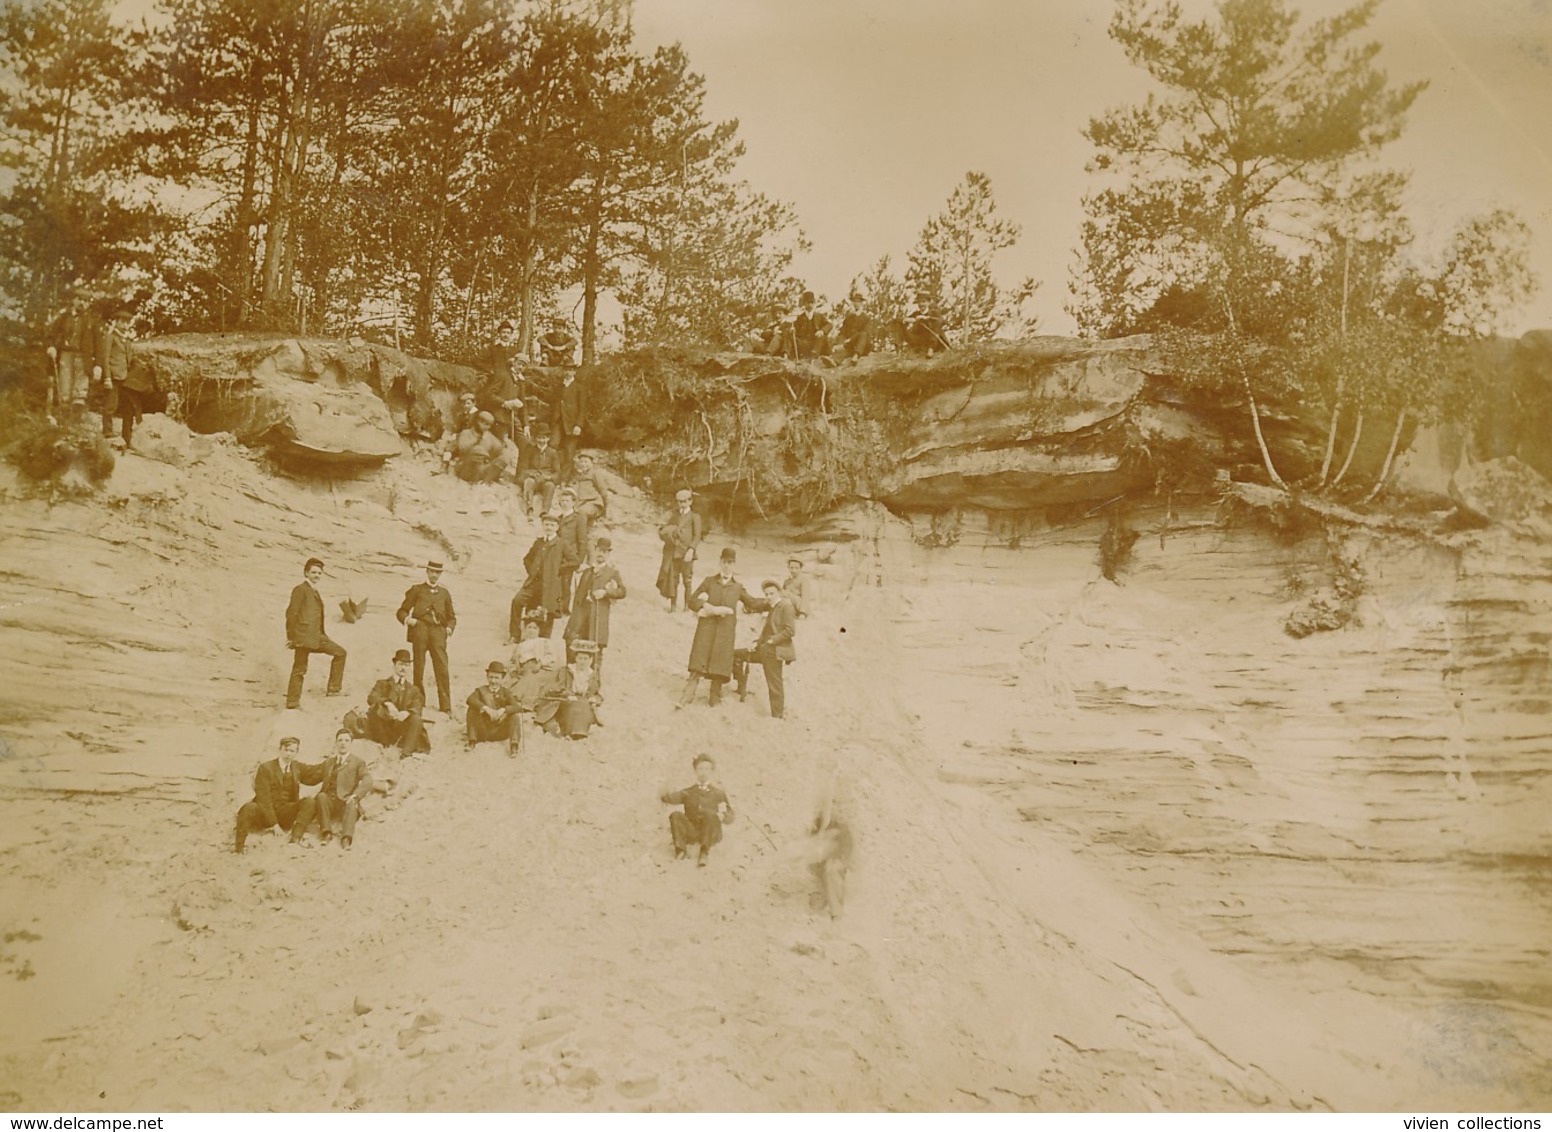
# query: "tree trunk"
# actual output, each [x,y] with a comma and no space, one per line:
[1352,449]
[591,271]
[1255,420]
[239,271]
[1390,457]
[1336,418]
[530,269]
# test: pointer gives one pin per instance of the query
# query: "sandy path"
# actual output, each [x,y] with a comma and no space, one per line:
[514,934]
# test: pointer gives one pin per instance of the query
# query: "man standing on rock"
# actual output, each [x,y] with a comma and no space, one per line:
[121,390]
[716,601]
[506,392]
[394,705]
[305,635]
[772,651]
[72,348]
[276,792]
[428,617]
[681,537]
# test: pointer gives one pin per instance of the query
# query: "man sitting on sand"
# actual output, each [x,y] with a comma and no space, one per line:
[493,715]
[277,792]
[394,708]
[706,811]
[337,805]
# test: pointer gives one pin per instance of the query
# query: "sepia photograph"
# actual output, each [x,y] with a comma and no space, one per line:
[776,556]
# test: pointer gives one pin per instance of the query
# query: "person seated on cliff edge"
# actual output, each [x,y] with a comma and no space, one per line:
[478,454]
[558,344]
[810,330]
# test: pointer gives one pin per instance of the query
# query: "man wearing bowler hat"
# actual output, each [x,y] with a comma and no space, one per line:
[493,711]
[394,705]
[428,617]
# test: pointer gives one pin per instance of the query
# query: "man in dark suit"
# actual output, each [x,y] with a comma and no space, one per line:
[681,537]
[772,650]
[428,617]
[337,805]
[305,635]
[548,564]
[393,710]
[570,417]
[276,792]
[538,470]
[706,811]
[494,714]
[599,586]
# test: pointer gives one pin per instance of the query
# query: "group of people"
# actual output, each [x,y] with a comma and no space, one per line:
[90,358]
[500,431]
[569,577]
[846,333]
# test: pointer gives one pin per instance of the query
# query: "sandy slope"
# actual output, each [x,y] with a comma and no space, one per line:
[513,934]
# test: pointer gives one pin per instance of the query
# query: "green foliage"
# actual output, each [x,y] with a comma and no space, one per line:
[46,452]
[950,273]
[1242,221]
[72,220]
[1255,122]
[420,169]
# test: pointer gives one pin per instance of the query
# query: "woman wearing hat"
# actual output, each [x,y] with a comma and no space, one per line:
[569,708]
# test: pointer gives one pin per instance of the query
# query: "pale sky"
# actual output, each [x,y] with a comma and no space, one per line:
[864,114]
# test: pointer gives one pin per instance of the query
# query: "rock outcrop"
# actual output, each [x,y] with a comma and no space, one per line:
[1013,427]
[308,400]
[1507,492]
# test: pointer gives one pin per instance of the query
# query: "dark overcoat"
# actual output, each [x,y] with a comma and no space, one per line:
[711,653]
[547,565]
[589,620]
